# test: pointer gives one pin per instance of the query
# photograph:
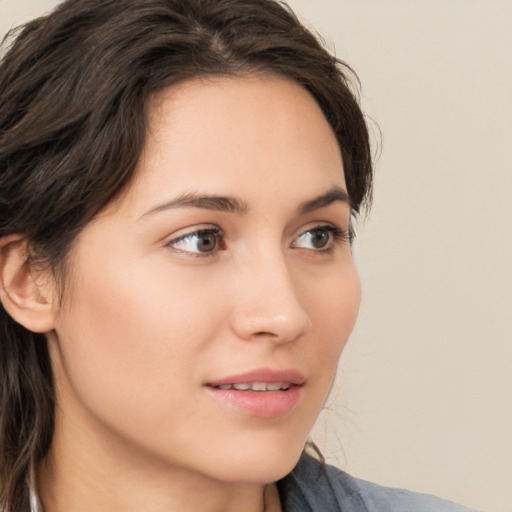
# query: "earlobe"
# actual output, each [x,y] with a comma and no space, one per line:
[24,293]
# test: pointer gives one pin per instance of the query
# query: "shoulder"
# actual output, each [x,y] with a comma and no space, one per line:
[313,487]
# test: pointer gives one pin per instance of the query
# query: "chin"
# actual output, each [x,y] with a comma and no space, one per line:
[259,464]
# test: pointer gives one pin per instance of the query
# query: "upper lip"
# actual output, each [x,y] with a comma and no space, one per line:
[266,375]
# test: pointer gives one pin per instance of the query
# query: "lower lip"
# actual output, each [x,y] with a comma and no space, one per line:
[264,404]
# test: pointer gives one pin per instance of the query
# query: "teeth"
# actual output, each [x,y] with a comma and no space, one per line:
[275,386]
[256,386]
[242,387]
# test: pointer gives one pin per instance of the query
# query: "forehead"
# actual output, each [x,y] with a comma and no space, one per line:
[238,135]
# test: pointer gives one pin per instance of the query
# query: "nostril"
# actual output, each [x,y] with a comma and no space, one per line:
[264,334]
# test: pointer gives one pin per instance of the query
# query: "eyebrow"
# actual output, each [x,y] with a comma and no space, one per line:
[192,200]
[230,204]
[333,195]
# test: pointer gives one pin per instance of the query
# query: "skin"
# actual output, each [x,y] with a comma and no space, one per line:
[147,321]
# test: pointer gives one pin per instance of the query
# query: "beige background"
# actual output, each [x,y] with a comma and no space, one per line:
[424,395]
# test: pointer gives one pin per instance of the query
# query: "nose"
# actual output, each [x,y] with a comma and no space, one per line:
[267,305]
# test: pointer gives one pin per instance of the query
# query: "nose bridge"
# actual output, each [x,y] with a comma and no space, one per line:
[268,305]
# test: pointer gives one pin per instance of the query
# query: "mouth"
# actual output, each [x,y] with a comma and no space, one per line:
[262,379]
[262,393]
[256,386]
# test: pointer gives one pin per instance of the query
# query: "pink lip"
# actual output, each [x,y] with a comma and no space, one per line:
[262,375]
[263,404]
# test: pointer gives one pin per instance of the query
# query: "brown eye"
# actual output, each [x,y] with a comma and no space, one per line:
[204,241]
[321,238]
[317,238]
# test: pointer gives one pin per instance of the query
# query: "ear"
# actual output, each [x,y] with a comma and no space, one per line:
[26,294]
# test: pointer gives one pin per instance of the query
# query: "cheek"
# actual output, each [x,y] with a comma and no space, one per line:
[132,343]
[334,306]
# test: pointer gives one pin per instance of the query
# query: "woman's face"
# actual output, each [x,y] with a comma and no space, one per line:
[205,310]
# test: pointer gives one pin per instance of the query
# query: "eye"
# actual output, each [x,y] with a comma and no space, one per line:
[320,238]
[202,241]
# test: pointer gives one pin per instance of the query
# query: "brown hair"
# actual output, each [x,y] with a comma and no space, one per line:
[73,90]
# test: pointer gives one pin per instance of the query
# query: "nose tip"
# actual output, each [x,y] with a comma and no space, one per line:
[278,327]
[274,312]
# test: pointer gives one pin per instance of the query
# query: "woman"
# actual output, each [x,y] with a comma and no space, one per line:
[177,184]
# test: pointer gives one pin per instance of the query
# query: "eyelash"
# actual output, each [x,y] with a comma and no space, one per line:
[337,237]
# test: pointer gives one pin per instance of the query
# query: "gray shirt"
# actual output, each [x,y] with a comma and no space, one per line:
[313,487]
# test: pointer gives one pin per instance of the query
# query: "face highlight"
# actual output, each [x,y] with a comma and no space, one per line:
[207,309]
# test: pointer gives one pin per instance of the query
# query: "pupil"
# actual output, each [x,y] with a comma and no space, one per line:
[206,242]
[320,239]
